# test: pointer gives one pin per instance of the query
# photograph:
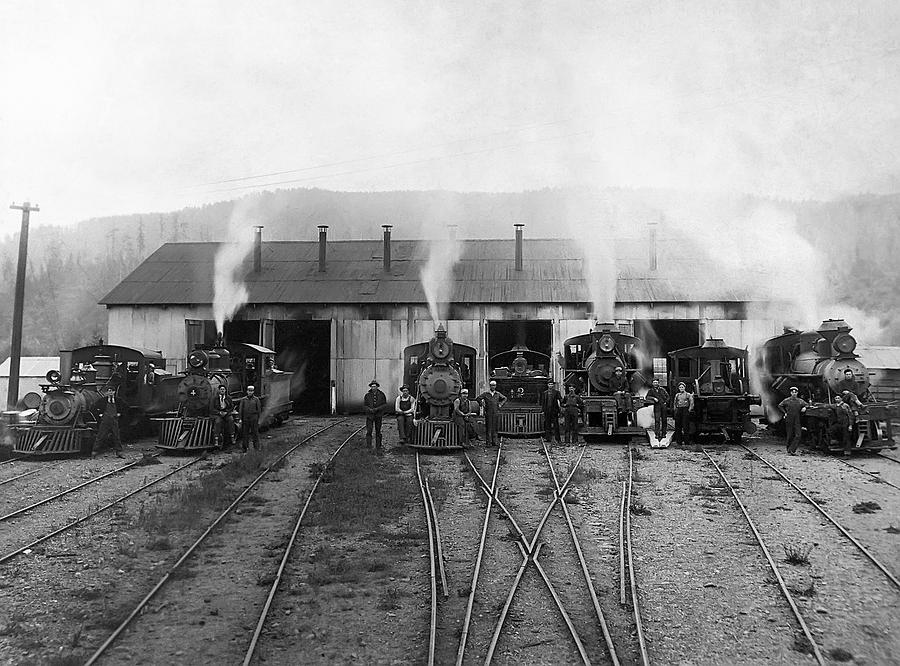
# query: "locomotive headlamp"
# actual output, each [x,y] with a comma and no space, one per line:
[845,343]
[607,344]
[197,359]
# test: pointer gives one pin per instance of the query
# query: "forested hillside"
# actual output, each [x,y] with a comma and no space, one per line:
[72,267]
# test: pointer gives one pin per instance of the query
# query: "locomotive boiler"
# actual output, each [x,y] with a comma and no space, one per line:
[589,364]
[822,364]
[436,371]
[521,375]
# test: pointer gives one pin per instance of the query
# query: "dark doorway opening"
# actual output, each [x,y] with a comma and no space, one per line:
[246,330]
[502,336]
[661,336]
[304,348]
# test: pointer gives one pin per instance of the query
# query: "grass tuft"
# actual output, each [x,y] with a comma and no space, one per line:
[797,554]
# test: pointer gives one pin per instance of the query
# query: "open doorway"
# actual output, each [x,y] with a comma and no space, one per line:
[505,336]
[661,336]
[304,348]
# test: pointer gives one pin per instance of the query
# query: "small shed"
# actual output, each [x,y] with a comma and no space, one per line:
[884,370]
[32,373]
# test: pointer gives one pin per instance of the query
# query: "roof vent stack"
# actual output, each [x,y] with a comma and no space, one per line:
[323,235]
[257,249]
[518,226]
[387,247]
[652,246]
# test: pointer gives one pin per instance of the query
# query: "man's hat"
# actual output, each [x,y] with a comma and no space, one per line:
[848,370]
[550,381]
[680,384]
[401,388]
[374,383]
[465,390]
[794,388]
[618,368]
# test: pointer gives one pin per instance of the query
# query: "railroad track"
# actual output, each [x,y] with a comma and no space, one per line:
[577,606]
[174,569]
[851,601]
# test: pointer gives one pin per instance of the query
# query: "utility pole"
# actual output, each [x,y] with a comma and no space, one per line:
[15,351]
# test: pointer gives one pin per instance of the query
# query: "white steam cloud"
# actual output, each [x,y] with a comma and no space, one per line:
[229,290]
[437,275]
[600,272]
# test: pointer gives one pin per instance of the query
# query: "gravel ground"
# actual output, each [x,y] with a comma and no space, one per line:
[357,588]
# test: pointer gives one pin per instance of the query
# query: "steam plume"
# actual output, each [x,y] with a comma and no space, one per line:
[437,275]
[229,290]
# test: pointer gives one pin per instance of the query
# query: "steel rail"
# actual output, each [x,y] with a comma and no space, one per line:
[875,476]
[251,649]
[529,552]
[66,492]
[11,460]
[498,628]
[159,585]
[20,476]
[437,539]
[635,604]
[69,526]
[432,629]
[584,568]
[487,515]
[881,455]
[622,599]
[819,508]
[784,589]
[581,651]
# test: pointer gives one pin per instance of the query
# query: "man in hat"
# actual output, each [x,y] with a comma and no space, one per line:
[551,405]
[249,411]
[223,426]
[845,422]
[374,404]
[684,405]
[405,407]
[573,408]
[109,424]
[793,406]
[491,402]
[621,388]
[463,415]
[659,398]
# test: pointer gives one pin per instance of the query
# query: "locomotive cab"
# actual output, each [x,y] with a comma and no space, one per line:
[717,376]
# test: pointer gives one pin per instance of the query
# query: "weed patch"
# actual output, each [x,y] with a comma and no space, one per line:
[638,509]
[797,554]
[866,507]
[368,494]
[390,598]
[809,591]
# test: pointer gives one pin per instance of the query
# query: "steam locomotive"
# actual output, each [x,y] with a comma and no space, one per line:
[815,362]
[436,371]
[717,376]
[521,375]
[191,426]
[589,364]
[68,414]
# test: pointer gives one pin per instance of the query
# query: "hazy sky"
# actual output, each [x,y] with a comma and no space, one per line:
[126,106]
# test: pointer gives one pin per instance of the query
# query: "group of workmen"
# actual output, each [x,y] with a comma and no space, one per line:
[553,403]
[847,405]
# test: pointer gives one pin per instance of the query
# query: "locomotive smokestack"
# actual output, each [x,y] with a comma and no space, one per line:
[323,234]
[518,226]
[387,247]
[257,249]
[653,262]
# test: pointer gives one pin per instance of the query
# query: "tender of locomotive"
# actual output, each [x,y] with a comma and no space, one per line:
[717,375]
[816,362]
[521,375]
[589,364]
[436,371]
[67,418]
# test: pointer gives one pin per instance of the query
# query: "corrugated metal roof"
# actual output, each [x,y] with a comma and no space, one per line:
[553,272]
[879,357]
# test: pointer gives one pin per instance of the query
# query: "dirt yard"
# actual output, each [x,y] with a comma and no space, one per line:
[357,587]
